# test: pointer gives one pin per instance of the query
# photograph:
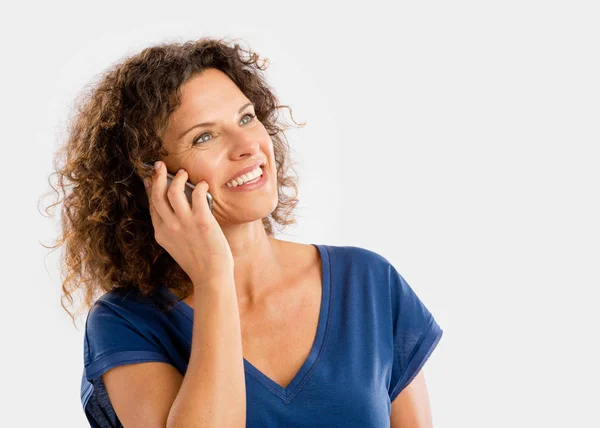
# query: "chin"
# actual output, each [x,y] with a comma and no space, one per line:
[252,213]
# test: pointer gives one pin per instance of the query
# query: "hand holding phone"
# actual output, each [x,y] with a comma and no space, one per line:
[192,237]
[189,187]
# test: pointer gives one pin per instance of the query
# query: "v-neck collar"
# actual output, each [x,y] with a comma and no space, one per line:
[288,393]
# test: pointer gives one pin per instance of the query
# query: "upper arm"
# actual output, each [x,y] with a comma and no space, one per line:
[411,408]
[415,334]
[142,394]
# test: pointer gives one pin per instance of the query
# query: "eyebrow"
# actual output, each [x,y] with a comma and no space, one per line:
[212,123]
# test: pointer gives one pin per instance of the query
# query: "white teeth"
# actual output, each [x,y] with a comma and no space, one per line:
[246,177]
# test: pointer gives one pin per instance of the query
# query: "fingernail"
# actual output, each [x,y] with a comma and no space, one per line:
[156,165]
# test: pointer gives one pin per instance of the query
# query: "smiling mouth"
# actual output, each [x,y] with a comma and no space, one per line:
[254,180]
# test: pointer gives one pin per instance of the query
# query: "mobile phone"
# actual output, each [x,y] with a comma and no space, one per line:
[189,187]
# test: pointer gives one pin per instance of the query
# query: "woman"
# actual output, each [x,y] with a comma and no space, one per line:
[204,318]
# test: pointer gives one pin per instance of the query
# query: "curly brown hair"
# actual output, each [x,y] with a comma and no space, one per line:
[117,128]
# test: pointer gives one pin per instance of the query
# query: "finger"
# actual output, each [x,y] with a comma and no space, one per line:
[159,195]
[176,195]
[199,203]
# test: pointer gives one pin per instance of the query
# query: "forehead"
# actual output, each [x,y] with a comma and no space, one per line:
[210,91]
[208,96]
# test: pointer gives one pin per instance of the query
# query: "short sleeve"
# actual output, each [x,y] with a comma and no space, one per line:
[120,329]
[415,333]
[112,339]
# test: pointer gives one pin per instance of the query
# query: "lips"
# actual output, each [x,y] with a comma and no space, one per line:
[248,186]
[245,170]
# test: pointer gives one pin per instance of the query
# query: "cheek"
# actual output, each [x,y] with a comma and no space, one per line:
[268,147]
[202,168]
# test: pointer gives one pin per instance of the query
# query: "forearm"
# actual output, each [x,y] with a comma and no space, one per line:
[213,392]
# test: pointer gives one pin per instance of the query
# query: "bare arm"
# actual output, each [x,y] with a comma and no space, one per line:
[211,394]
[411,408]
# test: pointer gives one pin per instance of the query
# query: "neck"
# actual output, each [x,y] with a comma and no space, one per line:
[258,264]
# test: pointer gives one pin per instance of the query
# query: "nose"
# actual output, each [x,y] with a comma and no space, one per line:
[244,143]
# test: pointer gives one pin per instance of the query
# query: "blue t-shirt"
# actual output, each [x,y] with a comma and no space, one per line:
[374,335]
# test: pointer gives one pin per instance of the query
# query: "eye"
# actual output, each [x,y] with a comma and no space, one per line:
[200,139]
[252,116]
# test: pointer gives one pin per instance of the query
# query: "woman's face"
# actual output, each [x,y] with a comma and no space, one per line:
[215,152]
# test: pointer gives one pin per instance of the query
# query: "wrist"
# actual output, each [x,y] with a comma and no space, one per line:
[215,281]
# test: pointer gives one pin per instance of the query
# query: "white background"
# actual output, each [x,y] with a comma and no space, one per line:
[460,140]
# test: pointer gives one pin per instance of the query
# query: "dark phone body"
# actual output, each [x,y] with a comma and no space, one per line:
[189,187]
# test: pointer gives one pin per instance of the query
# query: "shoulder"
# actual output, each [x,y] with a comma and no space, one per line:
[122,327]
[359,257]
[127,305]
[120,319]
[297,252]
